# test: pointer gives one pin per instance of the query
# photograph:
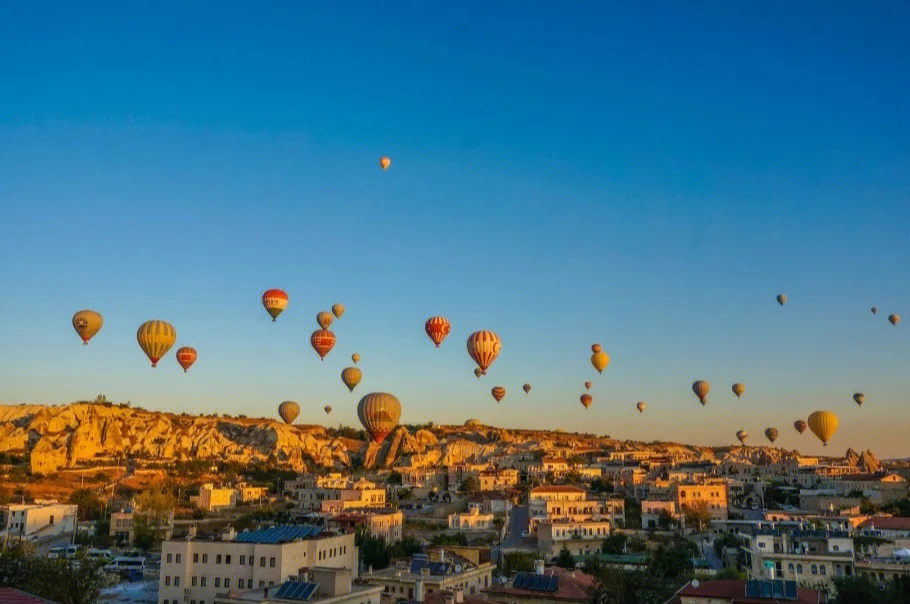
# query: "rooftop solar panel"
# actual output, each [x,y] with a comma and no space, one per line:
[279,534]
[296,590]
[790,592]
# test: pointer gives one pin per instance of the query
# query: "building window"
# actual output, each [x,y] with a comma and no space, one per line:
[799,568]
[823,570]
[169,558]
[262,584]
[193,581]
[195,558]
[262,562]
[814,569]
[217,558]
[177,557]
[227,582]
[202,582]
[176,581]
[205,558]
[272,562]
[242,560]
[227,559]
[249,583]
[167,580]
[217,581]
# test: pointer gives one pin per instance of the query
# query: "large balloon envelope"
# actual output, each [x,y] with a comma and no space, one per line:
[600,359]
[186,356]
[437,329]
[484,347]
[355,357]
[324,319]
[385,162]
[87,323]
[379,413]
[288,410]
[526,388]
[155,339]
[327,409]
[274,301]
[641,406]
[894,319]
[823,424]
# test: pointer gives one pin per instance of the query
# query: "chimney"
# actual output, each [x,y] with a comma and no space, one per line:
[538,567]
[418,591]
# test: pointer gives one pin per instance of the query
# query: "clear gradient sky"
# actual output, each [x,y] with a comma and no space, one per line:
[648,177]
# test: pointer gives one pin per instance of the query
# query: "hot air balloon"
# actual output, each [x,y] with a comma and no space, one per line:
[288,410]
[895,319]
[328,409]
[186,356]
[484,346]
[351,376]
[337,310]
[874,310]
[385,162]
[860,398]
[586,400]
[478,372]
[781,299]
[800,426]
[771,434]
[275,301]
[588,385]
[379,413]
[324,319]
[599,359]
[156,338]
[498,392]
[322,341]
[738,389]
[437,329]
[87,323]
[355,357]
[526,388]
[701,388]
[823,424]
[641,406]
[742,435]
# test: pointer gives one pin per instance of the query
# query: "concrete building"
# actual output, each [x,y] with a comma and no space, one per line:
[814,558]
[335,500]
[317,585]
[472,520]
[123,530]
[385,523]
[498,480]
[652,511]
[738,591]
[214,498]
[36,522]
[417,578]
[580,537]
[712,493]
[196,570]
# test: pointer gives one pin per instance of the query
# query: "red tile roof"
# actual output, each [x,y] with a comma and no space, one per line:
[8,595]
[888,523]
[734,591]
[574,585]
[558,488]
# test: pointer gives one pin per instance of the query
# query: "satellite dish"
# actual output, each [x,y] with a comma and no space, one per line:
[695,583]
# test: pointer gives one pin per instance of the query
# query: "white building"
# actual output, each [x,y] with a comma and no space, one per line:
[316,586]
[472,520]
[37,521]
[194,571]
[580,537]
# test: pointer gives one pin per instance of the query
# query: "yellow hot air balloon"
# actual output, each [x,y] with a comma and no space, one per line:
[379,413]
[701,388]
[355,357]
[328,409]
[351,376]
[823,424]
[781,299]
[599,359]
[288,410]
[738,389]
[87,323]
[526,388]
[742,435]
[771,434]
[860,398]
[484,347]
[641,406]
[385,162]
[498,393]
[156,338]
[324,319]
[337,310]
[894,319]
[586,400]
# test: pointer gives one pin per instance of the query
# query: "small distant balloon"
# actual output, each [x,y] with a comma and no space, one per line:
[588,385]
[274,301]
[328,409]
[288,410]
[351,376]
[498,393]
[860,398]
[874,310]
[701,388]
[478,372]
[324,319]
[641,406]
[337,310]
[437,329]
[186,356]
[771,434]
[526,388]
[895,319]
[586,400]
[800,426]
[87,323]
[385,162]
[742,435]
[599,359]
[322,341]
[781,299]
[355,357]
[738,389]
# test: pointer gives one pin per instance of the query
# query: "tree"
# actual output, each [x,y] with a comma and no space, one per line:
[861,590]
[599,485]
[614,544]
[632,512]
[518,561]
[637,545]
[469,486]
[449,539]
[730,573]
[154,508]
[565,558]
[394,477]
[697,514]
[57,579]
[90,507]
[665,519]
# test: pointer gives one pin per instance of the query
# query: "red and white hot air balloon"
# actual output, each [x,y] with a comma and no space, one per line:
[322,341]
[186,356]
[437,329]
[274,301]
[484,347]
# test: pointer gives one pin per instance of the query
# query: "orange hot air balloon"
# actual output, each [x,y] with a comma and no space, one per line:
[823,424]
[588,385]
[437,329]
[484,347]
[322,341]
[701,388]
[498,392]
[155,339]
[800,426]
[586,400]
[742,435]
[478,372]
[860,398]
[355,357]
[328,409]
[274,301]
[385,162]
[337,310]
[641,406]
[351,376]
[379,413]
[526,388]
[288,410]
[894,319]
[596,347]
[324,319]
[771,434]
[738,389]
[186,356]
[87,323]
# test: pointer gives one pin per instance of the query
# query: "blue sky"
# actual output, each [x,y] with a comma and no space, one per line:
[648,177]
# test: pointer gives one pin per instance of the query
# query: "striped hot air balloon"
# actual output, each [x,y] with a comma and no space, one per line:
[800,425]
[484,347]
[738,389]
[379,413]
[437,329]
[742,435]
[771,434]
[156,338]
[322,341]
[87,323]
[498,393]
[641,406]
[274,301]
[351,376]
[186,356]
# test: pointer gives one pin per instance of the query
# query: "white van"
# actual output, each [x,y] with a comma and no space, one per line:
[64,551]
[99,554]
[126,563]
